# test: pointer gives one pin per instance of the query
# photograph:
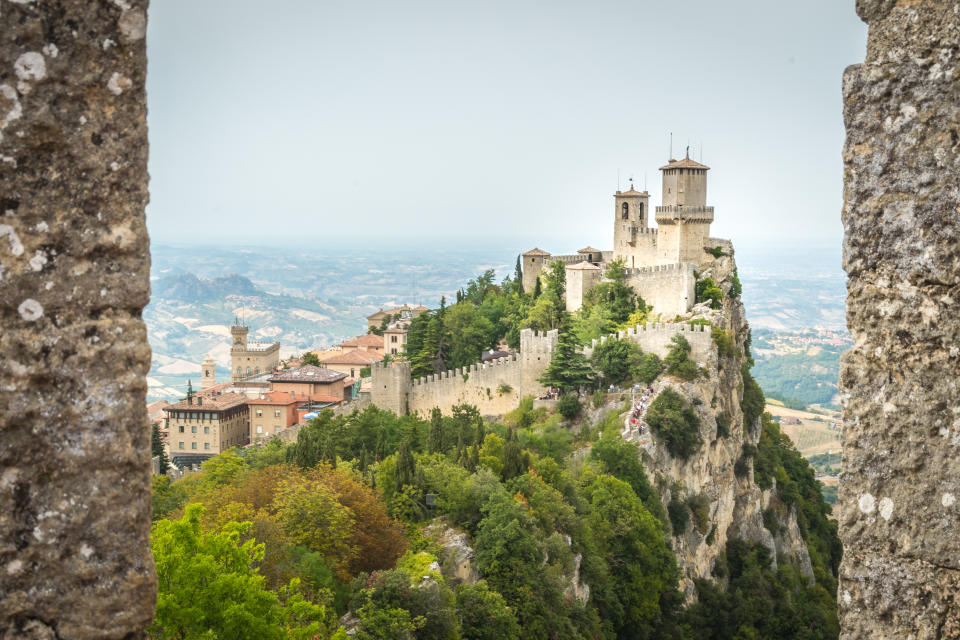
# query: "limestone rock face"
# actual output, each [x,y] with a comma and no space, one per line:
[74,264]
[898,511]
[736,505]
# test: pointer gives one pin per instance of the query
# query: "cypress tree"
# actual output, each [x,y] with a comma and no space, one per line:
[537,289]
[435,439]
[518,276]
[405,470]
[156,448]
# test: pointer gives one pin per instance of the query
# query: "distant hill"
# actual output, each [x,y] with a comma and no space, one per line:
[188,288]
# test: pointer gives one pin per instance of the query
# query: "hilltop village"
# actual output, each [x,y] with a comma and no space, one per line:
[266,397]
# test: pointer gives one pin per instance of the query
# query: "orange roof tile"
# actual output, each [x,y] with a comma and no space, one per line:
[364,342]
[355,357]
[536,252]
[210,402]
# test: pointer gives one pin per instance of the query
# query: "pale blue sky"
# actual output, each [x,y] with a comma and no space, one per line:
[318,122]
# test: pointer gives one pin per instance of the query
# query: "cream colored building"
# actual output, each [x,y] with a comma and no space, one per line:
[206,424]
[311,380]
[251,358]
[406,312]
[366,342]
[394,341]
[351,362]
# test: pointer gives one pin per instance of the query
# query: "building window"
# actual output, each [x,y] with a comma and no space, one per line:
[393,338]
[393,349]
[193,445]
[625,208]
[351,372]
[248,370]
[206,445]
[193,429]
[259,412]
[181,444]
[259,428]
[181,428]
[640,211]
[206,429]
[239,372]
[276,413]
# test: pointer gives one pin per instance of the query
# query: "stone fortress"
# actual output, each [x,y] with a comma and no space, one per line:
[661,265]
[660,261]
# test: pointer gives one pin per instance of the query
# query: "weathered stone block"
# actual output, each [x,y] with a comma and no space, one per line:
[901,470]
[74,277]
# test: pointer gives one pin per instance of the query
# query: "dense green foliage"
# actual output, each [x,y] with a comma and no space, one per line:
[568,369]
[707,290]
[798,379]
[678,362]
[157,450]
[674,421]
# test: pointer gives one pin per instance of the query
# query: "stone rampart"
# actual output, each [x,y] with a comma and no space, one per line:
[75,460]
[670,288]
[655,338]
[899,496]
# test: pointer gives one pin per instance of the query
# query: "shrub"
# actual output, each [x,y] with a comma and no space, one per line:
[649,367]
[735,287]
[613,358]
[677,361]
[678,513]
[725,345]
[723,426]
[771,521]
[699,505]
[569,406]
[716,252]
[675,423]
[597,400]
[504,388]
[707,290]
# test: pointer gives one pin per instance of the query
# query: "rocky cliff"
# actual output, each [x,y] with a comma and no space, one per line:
[898,511]
[708,478]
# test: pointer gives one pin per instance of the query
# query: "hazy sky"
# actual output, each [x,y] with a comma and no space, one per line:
[320,122]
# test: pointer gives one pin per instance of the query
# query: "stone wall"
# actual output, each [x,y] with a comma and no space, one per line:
[898,510]
[655,338]
[670,289]
[74,276]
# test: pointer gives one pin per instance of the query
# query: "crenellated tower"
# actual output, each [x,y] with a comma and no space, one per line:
[683,221]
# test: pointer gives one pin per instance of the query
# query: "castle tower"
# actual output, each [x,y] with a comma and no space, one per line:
[533,262]
[631,227]
[683,221]
[581,277]
[238,349]
[209,372]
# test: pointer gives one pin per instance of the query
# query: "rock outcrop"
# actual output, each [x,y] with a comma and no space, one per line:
[735,505]
[75,560]
[898,511]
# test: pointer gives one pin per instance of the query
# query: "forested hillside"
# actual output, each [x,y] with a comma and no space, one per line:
[542,524]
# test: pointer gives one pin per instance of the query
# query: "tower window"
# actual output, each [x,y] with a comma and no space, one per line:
[626,211]
[640,211]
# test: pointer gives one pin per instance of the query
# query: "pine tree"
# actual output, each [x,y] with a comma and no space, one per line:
[537,289]
[568,370]
[513,460]
[156,448]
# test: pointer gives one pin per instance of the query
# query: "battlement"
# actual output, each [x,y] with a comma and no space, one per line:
[575,258]
[671,213]
[457,374]
[640,231]
[675,268]
[656,337]
[537,342]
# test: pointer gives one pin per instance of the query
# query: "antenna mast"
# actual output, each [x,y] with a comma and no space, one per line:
[670,157]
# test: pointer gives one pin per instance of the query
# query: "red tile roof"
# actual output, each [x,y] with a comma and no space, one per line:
[283,398]
[536,252]
[355,357]
[207,401]
[364,341]
[686,163]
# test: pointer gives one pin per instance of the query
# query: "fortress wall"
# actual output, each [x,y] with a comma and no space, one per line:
[480,388]
[74,278]
[899,497]
[670,289]
[655,338]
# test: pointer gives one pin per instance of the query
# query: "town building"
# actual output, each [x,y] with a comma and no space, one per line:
[406,312]
[366,342]
[352,362]
[312,380]
[273,412]
[251,358]
[208,374]
[394,340]
[206,424]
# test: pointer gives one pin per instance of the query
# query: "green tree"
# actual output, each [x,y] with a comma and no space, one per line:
[620,460]
[406,469]
[616,359]
[435,438]
[518,275]
[707,290]
[157,449]
[310,358]
[614,294]
[167,497]
[470,333]
[676,423]
[484,615]
[568,369]
[555,281]
[208,587]
[678,362]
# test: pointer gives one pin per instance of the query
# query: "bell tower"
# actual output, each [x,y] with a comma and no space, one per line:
[208,371]
[631,211]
